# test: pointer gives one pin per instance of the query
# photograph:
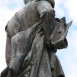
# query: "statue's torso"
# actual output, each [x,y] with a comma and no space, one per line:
[27,16]
[23,19]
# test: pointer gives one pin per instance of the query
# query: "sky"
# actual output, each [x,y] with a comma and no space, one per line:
[67,8]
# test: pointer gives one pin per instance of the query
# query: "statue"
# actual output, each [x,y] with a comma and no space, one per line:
[33,37]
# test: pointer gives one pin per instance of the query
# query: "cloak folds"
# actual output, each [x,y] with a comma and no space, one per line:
[41,63]
[38,60]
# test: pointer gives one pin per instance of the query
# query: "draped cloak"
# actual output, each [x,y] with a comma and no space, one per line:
[39,61]
[43,62]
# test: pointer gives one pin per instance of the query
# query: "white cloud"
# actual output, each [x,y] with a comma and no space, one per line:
[71,75]
[68,57]
[71,6]
[73,43]
[58,9]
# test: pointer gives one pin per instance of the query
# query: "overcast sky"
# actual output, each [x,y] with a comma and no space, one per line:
[67,8]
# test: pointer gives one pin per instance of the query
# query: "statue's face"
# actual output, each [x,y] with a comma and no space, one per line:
[51,1]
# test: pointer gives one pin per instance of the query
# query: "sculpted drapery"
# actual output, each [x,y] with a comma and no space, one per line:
[33,37]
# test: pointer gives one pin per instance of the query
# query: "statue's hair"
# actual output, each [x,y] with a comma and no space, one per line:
[51,1]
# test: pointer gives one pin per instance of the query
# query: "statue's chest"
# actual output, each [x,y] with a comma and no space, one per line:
[28,16]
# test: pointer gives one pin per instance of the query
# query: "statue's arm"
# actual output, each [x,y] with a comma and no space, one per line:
[43,7]
[47,15]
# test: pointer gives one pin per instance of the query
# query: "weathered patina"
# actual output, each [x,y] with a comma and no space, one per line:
[33,37]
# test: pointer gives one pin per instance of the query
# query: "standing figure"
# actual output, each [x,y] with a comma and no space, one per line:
[33,37]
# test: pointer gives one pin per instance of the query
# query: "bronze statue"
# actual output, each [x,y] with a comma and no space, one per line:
[33,37]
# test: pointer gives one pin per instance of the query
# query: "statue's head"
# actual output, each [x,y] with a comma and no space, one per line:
[51,1]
